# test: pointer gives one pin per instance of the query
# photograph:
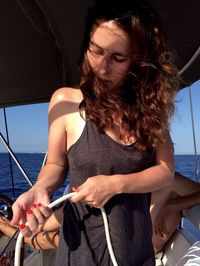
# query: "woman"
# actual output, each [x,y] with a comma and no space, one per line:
[113,135]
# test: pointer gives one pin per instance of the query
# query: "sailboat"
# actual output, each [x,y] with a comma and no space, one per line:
[40,44]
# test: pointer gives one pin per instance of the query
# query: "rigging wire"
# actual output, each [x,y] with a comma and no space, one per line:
[45,159]
[181,71]
[16,161]
[9,156]
[194,137]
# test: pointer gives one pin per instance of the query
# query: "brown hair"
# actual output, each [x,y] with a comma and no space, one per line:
[146,100]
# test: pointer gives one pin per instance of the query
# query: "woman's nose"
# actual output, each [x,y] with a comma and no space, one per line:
[104,66]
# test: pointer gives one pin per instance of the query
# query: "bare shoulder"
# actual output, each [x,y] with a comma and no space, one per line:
[67,94]
[64,102]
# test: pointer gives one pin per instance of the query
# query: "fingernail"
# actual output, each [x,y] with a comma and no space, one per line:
[34,205]
[29,212]
[22,226]
[39,205]
[75,188]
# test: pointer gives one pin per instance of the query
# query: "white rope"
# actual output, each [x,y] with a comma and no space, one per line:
[51,205]
[109,244]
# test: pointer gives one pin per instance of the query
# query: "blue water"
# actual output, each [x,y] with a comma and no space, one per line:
[32,162]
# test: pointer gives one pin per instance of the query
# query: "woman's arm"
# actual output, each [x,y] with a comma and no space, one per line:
[52,174]
[154,178]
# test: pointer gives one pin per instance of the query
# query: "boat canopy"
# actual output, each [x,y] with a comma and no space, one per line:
[40,43]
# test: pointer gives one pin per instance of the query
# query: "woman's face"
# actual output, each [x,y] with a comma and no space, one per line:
[109,53]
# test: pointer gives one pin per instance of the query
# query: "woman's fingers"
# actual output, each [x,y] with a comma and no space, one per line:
[26,202]
[41,212]
[32,220]
[95,192]
[75,188]
[36,216]
[17,214]
[97,203]
[24,229]
[81,195]
[77,197]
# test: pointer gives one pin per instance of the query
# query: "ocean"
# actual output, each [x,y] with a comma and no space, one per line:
[32,162]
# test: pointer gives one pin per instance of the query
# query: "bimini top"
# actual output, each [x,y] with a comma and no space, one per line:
[40,43]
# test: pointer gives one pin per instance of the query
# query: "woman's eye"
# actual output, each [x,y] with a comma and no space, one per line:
[95,51]
[119,59]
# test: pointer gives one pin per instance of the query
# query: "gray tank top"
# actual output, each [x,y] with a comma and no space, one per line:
[82,236]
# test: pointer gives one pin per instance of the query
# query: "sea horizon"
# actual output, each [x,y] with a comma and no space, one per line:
[43,152]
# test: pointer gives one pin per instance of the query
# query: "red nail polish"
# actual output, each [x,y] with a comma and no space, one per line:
[22,226]
[34,205]
[29,212]
[39,205]
[75,188]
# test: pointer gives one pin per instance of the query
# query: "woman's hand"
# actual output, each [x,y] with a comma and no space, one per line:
[96,191]
[29,207]
[159,226]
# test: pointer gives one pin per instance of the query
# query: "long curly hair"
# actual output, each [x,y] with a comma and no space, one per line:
[146,100]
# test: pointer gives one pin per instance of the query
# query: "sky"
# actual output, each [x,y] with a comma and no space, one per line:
[28,125]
